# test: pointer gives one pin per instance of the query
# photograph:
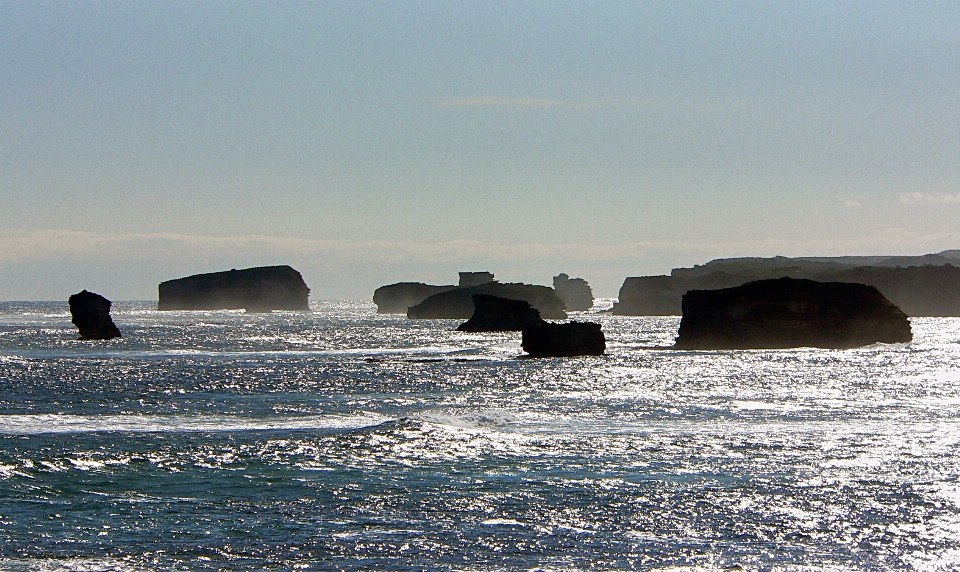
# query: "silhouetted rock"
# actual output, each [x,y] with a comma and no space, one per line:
[564,340]
[493,314]
[787,313]
[259,289]
[458,303]
[574,292]
[926,285]
[398,298]
[468,279]
[91,315]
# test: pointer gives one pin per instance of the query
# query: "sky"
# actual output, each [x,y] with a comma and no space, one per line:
[366,143]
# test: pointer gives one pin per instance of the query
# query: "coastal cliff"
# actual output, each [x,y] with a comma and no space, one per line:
[458,303]
[260,289]
[919,285]
[788,313]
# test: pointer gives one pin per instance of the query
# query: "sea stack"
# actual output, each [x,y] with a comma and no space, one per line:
[564,340]
[788,313]
[493,314]
[91,315]
[259,289]
[576,294]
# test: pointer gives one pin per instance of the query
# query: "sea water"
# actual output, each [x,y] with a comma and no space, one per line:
[342,439]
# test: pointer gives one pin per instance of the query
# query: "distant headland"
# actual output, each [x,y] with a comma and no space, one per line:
[919,285]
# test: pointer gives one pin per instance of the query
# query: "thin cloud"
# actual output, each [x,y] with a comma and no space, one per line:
[82,245]
[929,198]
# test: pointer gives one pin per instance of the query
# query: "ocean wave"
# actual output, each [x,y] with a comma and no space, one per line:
[52,423]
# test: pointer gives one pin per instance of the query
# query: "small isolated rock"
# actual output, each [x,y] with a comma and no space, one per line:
[494,314]
[91,315]
[564,340]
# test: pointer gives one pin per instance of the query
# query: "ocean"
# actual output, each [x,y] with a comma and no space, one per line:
[340,439]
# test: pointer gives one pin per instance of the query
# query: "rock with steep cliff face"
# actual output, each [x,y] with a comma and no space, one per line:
[576,294]
[458,303]
[398,298]
[564,340]
[787,313]
[493,314]
[90,313]
[260,289]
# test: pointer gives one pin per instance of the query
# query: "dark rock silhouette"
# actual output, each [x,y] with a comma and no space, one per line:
[90,313]
[398,298]
[259,289]
[468,279]
[575,293]
[787,313]
[458,302]
[919,285]
[493,314]
[564,340]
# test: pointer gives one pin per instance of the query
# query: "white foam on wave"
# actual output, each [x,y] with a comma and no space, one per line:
[51,423]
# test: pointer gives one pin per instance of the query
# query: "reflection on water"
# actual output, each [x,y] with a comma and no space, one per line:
[342,439]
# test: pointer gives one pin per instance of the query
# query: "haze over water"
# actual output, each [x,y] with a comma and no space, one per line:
[343,439]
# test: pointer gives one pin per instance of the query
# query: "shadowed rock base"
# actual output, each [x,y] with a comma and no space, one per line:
[91,315]
[564,340]
[493,314]
[789,313]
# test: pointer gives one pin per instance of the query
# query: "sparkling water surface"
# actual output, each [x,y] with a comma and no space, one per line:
[342,439]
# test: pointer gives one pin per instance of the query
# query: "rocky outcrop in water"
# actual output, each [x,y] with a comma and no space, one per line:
[575,293]
[259,289]
[458,303]
[564,340]
[493,314]
[919,285]
[90,313]
[398,298]
[787,313]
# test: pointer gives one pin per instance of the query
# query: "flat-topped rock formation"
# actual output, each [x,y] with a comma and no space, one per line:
[564,340]
[575,293]
[919,285]
[458,302]
[398,298]
[468,279]
[493,314]
[788,313]
[259,289]
[90,313]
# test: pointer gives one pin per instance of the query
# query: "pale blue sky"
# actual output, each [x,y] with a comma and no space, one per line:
[372,142]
